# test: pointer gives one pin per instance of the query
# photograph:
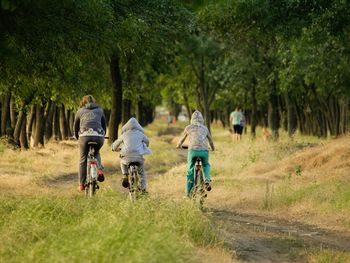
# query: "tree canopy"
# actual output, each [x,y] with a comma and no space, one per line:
[285,62]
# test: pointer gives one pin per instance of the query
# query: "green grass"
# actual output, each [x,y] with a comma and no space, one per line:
[330,196]
[107,228]
[328,256]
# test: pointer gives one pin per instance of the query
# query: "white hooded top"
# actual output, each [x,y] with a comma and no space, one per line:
[132,141]
[197,133]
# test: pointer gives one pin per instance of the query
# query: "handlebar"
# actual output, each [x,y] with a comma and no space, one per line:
[73,138]
[186,147]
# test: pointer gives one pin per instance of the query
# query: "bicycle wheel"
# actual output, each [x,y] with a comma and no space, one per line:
[133,184]
[92,189]
[198,191]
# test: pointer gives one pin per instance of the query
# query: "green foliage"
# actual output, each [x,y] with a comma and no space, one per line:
[107,228]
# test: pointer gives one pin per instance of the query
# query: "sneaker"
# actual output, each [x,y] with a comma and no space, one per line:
[187,196]
[81,188]
[208,186]
[125,182]
[100,176]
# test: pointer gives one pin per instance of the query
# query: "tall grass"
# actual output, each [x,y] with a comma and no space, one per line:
[104,229]
[327,256]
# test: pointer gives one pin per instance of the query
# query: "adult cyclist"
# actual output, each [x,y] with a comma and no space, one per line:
[89,126]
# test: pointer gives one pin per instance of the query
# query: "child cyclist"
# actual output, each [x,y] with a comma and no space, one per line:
[132,144]
[199,137]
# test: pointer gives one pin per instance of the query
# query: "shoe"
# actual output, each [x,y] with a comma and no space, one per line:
[187,196]
[144,192]
[81,188]
[125,182]
[208,186]
[100,176]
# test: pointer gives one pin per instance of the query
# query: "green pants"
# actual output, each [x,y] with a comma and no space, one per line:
[191,161]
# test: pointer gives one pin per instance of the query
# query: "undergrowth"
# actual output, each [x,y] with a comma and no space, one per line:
[104,229]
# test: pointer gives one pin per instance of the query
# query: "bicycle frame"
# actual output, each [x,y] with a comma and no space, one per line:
[91,176]
[134,181]
[199,192]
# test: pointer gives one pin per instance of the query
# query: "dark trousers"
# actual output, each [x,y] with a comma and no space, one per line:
[84,150]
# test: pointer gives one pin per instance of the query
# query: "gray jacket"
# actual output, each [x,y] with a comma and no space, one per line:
[132,142]
[197,133]
[90,121]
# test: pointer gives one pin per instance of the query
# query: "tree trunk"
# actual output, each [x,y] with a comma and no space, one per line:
[5,114]
[291,115]
[254,109]
[23,137]
[49,120]
[19,125]
[273,116]
[39,126]
[204,100]
[63,123]
[69,128]
[117,95]
[71,122]
[186,101]
[31,122]
[13,115]
[126,111]
[56,123]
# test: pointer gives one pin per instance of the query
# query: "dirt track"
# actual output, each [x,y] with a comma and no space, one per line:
[255,238]
[262,239]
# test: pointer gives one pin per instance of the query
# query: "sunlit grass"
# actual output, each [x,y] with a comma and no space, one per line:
[107,228]
[326,256]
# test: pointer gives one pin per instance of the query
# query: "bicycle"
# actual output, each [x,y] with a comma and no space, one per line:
[134,181]
[199,190]
[91,184]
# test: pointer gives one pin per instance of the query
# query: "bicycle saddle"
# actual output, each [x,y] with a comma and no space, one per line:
[133,163]
[92,143]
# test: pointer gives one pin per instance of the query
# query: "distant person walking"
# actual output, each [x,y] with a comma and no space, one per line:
[238,122]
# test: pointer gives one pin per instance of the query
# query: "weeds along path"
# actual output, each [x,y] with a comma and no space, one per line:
[252,234]
[262,239]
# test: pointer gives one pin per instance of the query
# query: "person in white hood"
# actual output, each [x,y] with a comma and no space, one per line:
[132,144]
[198,139]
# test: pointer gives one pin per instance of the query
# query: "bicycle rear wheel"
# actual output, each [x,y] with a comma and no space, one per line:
[133,181]
[92,188]
[198,191]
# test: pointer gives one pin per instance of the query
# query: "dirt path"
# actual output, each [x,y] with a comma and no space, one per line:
[262,239]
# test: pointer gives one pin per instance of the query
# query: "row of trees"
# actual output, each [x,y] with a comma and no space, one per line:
[54,53]
[285,62]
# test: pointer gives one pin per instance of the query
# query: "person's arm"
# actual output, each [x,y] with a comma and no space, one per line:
[145,140]
[103,122]
[211,143]
[115,145]
[182,139]
[76,125]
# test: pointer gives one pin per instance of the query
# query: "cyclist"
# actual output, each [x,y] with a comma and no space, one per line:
[89,126]
[132,144]
[199,137]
